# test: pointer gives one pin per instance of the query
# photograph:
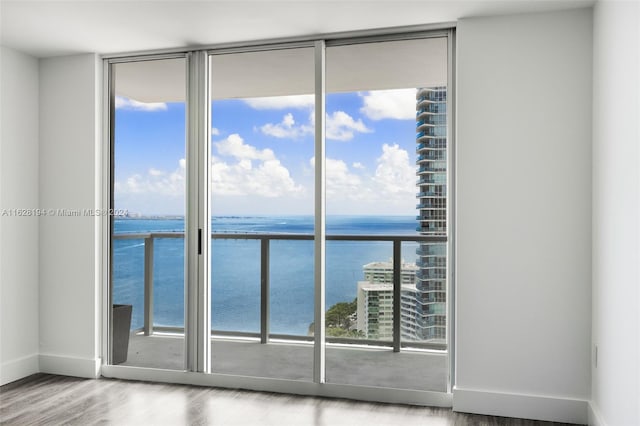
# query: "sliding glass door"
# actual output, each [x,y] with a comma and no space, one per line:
[382,107]
[287,214]
[148,190]
[262,206]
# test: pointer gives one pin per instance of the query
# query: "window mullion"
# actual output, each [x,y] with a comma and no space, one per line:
[197,227]
[319,228]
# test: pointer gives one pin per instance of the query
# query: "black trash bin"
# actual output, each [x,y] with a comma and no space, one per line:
[120,332]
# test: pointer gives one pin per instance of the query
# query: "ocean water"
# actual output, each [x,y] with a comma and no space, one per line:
[235,268]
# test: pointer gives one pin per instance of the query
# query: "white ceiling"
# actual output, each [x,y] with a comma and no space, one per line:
[51,28]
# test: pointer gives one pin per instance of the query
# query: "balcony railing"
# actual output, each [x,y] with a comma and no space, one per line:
[432,108]
[432,155]
[430,194]
[436,177]
[265,239]
[438,129]
[433,167]
[428,203]
[434,143]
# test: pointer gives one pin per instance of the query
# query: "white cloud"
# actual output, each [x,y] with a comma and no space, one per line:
[341,126]
[399,104]
[155,172]
[238,169]
[395,176]
[240,176]
[155,182]
[131,104]
[393,180]
[215,131]
[249,173]
[286,128]
[282,102]
[341,182]
[234,146]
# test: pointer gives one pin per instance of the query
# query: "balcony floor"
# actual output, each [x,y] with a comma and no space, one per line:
[294,361]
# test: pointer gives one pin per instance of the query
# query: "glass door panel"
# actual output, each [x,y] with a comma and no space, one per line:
[147,259]
[382,106]
[262,203]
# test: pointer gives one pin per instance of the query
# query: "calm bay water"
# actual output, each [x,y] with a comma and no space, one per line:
[235,268]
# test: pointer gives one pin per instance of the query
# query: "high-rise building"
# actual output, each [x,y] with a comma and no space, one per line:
[375,298]
[431,138]
[423,315]
[382,273]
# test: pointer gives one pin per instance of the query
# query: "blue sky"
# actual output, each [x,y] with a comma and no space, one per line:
[262,155]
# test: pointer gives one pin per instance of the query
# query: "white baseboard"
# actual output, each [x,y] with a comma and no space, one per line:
[70,366]
[595,419]
[16,369]
[533,407]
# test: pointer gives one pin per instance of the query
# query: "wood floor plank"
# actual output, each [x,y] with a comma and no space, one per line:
[44,399]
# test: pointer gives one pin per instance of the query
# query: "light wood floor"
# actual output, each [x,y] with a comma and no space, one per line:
[45,399]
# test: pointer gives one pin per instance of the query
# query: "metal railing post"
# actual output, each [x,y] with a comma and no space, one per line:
[264,290]
[148,286]
[397,292]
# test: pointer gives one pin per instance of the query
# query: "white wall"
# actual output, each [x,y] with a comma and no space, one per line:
[524,215]
[18,190]
[69,289]
[616,214]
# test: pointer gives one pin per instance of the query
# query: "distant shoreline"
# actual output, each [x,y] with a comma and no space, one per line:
[179,217]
